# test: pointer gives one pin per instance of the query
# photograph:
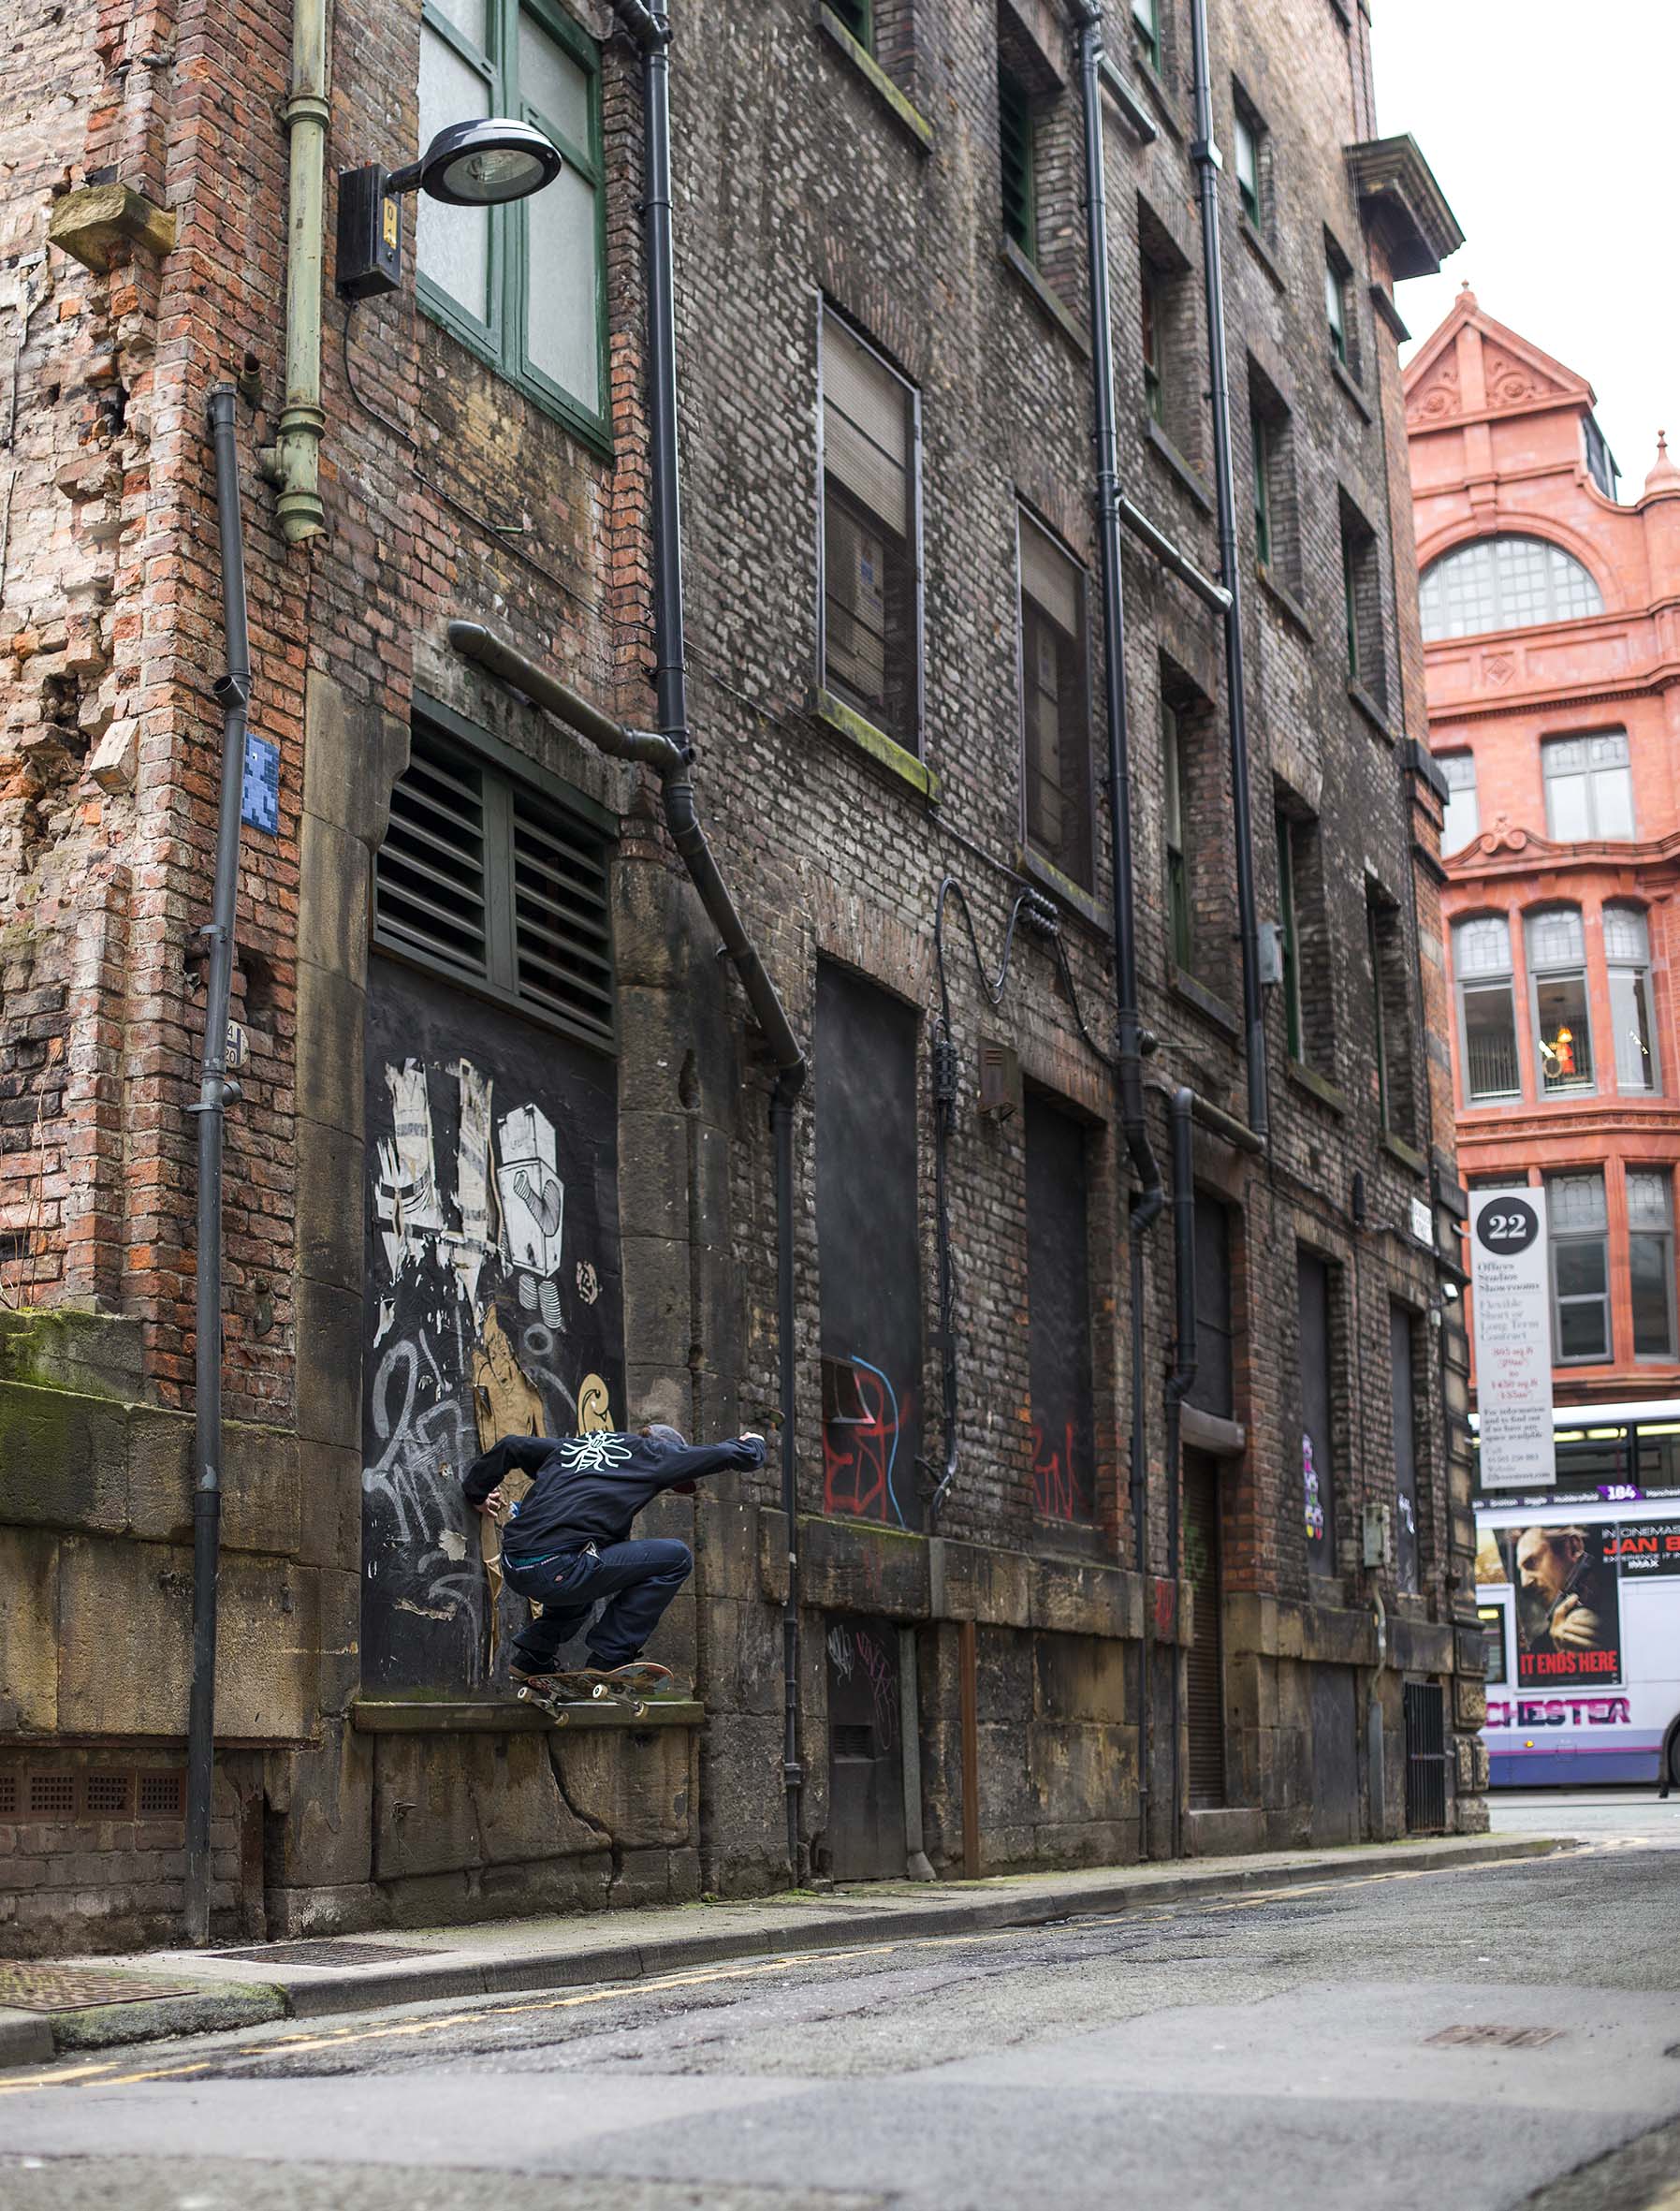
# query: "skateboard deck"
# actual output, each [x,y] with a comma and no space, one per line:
[624,1689]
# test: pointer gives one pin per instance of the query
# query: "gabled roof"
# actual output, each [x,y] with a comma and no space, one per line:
[1516,376]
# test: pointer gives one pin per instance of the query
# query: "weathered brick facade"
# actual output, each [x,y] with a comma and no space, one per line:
[808,173]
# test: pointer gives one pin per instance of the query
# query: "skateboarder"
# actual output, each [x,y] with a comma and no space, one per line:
[565,1543]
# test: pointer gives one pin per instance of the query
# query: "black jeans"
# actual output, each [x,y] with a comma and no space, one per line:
[640,1579]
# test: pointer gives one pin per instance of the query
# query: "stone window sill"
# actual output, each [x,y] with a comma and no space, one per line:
[886,752]
[1118,88]
[1372,710]
[1283,598]
[1345,377]
[1382,301]
[1044,297]
[1063,888]
[1184,984]
[903,112]
[1316,1086]
[503,1716]
[1257,245]
[1159,442]
[1407,1154]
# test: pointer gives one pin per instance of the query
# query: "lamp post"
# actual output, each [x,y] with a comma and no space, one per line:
[485,163]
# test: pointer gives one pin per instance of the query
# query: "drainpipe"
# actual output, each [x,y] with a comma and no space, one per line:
[1178,1388]
[215,1093]
[293,460]
[651,28]
[1149,1199]
[1205,156]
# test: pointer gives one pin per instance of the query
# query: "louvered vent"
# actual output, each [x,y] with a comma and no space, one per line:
[562,948]
[429,879]
[481,877]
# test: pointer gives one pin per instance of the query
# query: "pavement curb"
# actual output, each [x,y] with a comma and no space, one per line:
[334,1993]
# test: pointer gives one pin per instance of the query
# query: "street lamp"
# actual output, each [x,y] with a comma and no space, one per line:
[479,163]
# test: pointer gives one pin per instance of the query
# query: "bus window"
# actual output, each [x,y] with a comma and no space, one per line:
[1493,1641]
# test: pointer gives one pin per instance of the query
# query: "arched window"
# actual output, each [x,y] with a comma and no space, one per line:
[1557,990]
[1487,1009]
[1503,583]
[1627,960]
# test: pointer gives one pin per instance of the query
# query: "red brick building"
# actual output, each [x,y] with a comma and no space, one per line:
[1551,644]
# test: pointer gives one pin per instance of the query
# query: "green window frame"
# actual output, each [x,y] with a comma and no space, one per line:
[1145,22]
[1291,950]
[1017,163]
[1150,326]
[858,18]
[502,336]
[1260,432]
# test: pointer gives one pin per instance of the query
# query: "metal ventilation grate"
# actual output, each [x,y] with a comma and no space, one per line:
[109,1794]
[53,1794]
[162,1796]
[492,884]
[429,878]
[847,1740]
[1424,1711]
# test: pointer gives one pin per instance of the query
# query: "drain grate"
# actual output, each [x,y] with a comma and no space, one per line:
[1501,2038]
[71,1988]
[333,1953]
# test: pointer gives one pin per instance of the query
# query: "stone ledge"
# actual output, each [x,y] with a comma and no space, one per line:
[505,1716]
[886,752]
[903,112]
[1044,297]
[93,225]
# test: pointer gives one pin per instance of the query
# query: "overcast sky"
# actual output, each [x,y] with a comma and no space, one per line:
[1550,127]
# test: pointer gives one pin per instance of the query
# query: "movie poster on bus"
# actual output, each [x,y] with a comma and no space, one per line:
[1646,1548]
[1569,1614]
[1511,1312]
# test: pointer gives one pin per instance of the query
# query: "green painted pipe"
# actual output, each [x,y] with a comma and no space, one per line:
[293,461]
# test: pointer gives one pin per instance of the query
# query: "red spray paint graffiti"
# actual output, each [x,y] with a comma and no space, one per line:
[861,1475]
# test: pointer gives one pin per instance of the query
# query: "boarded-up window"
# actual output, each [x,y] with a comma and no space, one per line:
[1055,706]
[870,583]
[1318,1450]
[1214,1388]
[868,1250]
[1060,1315]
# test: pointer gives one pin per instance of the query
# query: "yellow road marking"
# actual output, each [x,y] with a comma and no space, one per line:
[102,2075]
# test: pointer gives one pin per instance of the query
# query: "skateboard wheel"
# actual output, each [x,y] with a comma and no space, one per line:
[524,1696]
[638,1711]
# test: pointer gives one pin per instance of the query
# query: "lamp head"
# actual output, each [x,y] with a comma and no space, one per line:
[485,163]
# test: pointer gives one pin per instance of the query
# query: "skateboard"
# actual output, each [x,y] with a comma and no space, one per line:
[623,1688]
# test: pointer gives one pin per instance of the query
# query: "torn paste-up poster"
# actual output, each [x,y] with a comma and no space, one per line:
[405,1199]
[472,1180]
[533,1198]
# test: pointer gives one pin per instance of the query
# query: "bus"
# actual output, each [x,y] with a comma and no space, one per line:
[1578,1589]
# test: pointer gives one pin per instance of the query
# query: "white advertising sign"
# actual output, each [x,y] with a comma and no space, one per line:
[1513,1338]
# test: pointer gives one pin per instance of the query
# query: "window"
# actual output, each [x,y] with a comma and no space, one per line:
[871,585]
[869,1256]
[1015,155]
[1503,583]
[1317,1349]
[1055,706]
[1580,1239]
[1557,987]
[1305,942]
[1628,963]
[522,286]
[858,16]
[1362,600]
[1462,819]
[1259,437]
[1252,151]
[1271,441]
[1600,460]
[1589,787]
[500,887]
[1336,315]
[1487,1009]
[1214,1389]
[1153,328]
[1145,27]
[1059,1307]
[1390,1014]
[1178,914]
[1651,1262]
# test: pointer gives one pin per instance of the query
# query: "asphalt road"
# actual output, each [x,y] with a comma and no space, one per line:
[1498,2035]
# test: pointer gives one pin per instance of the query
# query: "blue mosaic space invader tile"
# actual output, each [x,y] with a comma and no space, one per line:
[259,793]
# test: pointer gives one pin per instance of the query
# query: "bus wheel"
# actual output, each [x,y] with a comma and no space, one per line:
[1672,1753]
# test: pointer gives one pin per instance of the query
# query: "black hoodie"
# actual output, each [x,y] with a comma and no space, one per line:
[590,1489]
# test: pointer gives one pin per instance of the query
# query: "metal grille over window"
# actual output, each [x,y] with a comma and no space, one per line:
[869,580]
[480,876]
[1425,1712]
[1015,153]
[429,876]
[1500,583]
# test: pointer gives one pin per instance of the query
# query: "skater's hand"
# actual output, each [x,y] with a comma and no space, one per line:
[494,1505]
[751,1435]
